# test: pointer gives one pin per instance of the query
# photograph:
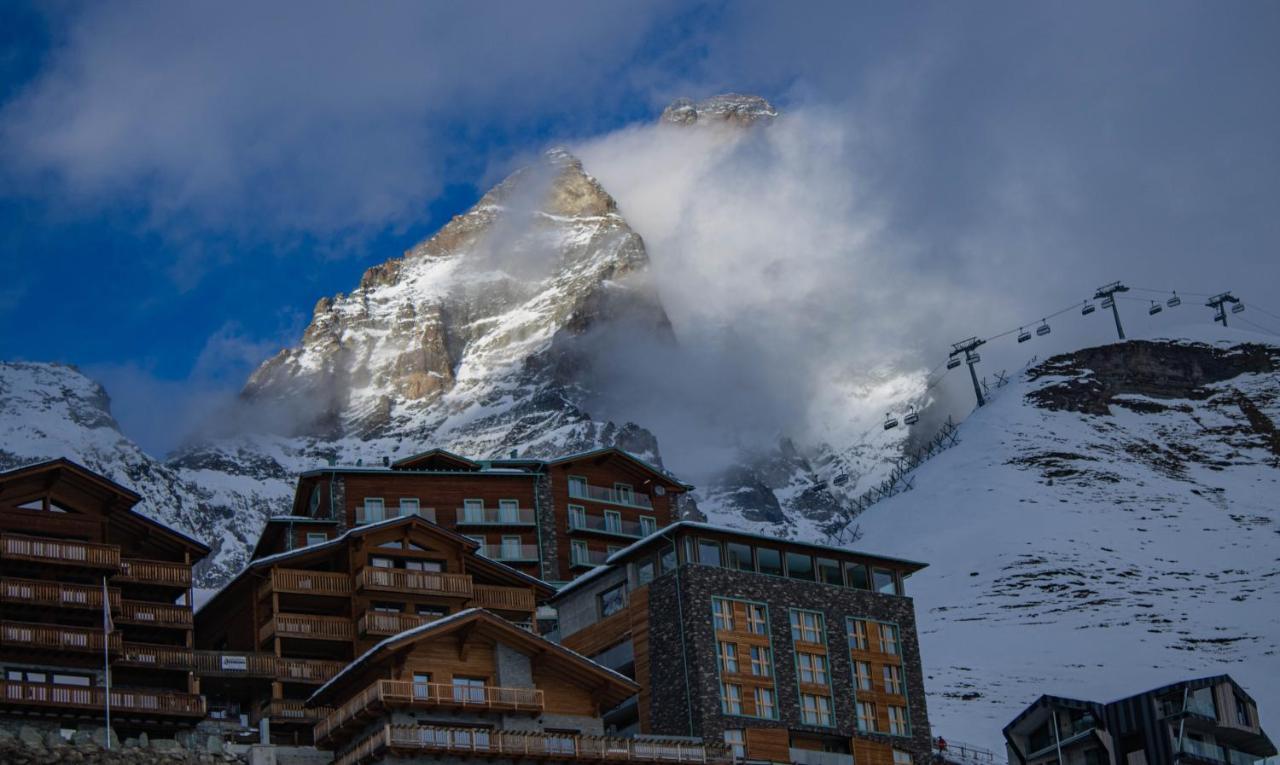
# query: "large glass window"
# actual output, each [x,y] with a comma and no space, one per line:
[577,517]
[893,679]
[739,556]
[374,510]
[884,581]
[757,619]
[709,552]
[866,712]
[768,561]
[812,668]
[862,675]
[736,743]
[898,720]
[668,560]
[644,572]
[761,662]
[613,600]
[613,521]
[889,639]
[648,525]
[806,626]
[815,710]
[856,574]
[799,566]
[473,510]
[508,511]
[722,611]
[468,689]
[728,657]
[731,698]
[766,703]
[829,571]
[577,486]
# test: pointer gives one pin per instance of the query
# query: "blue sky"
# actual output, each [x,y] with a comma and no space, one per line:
[180,183]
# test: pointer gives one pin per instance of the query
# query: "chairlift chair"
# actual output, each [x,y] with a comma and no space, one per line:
[1108,302]
[1043,329]
[1237,308]
[973,358]
[1023,335]
[953,362]
[1155,308]
[911,417]
[1174,301]
[890,422]
[840,480]
[1088,309]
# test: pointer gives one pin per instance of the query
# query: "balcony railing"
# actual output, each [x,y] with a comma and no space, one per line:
[420,582]
[155,614]
[495,516]
[311,671]
[264,665]
[388,623]
[499,598]
[309,627]
[366,515]
[406,693]
[59,552]
[161,703]
[56,637]
[56,594]
[154,572]
[510,553]
[612,496]
[289,710]
[149,656]
[813,757]
[578,557]
[302,582]
[477,742]
[606,525]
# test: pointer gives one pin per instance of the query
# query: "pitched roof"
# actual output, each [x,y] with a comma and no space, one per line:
[615,451]
[621,685]
[434,455]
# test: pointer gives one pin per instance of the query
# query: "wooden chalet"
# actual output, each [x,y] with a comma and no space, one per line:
[70,539]
[473,685]
[294,618]
[554,519]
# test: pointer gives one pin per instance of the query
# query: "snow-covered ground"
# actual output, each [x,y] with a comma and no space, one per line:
[1094,555]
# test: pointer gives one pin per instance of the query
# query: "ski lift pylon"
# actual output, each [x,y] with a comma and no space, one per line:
[1174,301]
[890,422]
[1155,308]
[1023,335]
[1088,309]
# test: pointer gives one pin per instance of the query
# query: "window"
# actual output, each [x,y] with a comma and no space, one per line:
[893,680]
[768,561]
[1242,712]
[644,573]
[812,668]
[898,720]
[901,758]
[386,608]
[708,552]
[731,698]
[611,549]
[478,539]
[613,521]
[862,676]
[316,537]
[578,552]
[766,703]
[757,619]
[82,681]
[374,510]
[648,525]
[739,556]
[722,613]
[473,510]
[728,657]
[431,611]
[377,561]
[889,639]
[421,685]
[577,486]
[829,572]
[613,600]
[884,581]
[858,635]
[866,714]
[468,689]
[668,560]
[511,548]
[799,566]
[806,626]
[815,710]
[314,504]
[625,494]
[508,511]
[577,517]
[409,506]
[856,575]
[736,743]
[761,661]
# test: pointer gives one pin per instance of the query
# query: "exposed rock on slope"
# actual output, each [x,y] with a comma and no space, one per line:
[731,108]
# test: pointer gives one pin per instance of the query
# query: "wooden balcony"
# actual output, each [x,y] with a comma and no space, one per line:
[388,623]
[405,693]
[154,572]
[123,701]
[415,582]
[303,582]
[37,592]
[59,552]
[263,665]
[289,710]
[55,637]
[310,671]
[147,656]
[308,627]
[155,614]
[503,598]
[416,740]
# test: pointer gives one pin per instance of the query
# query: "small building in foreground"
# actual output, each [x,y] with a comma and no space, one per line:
[1209,720]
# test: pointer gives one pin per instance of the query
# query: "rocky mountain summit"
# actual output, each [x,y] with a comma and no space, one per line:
[731,108]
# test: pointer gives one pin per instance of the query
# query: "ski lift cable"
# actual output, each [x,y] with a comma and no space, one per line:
[1264,311]
[1170,292]
[1043,319]
[1256,326]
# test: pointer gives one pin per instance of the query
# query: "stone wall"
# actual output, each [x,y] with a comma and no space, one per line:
[680,616]
[39,742]
[548,531]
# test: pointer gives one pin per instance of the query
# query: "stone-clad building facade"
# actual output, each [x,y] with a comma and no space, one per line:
[786,651]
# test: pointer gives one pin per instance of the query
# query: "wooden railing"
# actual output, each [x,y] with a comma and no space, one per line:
[157,614]
[310,582]
[56,637]
[402,580]
[503,598]
[156,656]
[308,626]
[59,552]
[166,703]
[57,594]
[289,709]
[406,693]
[313,671]
[235,663]
[388,623]
[156,572]
[518,744]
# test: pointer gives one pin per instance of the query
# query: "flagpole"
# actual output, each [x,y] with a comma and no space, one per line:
[106,656]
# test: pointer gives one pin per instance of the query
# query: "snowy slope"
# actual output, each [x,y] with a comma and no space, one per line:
[1108,524]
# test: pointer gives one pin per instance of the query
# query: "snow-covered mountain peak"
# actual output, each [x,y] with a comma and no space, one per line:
[731,108]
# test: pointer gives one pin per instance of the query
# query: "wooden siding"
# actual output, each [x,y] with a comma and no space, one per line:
[771,744]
